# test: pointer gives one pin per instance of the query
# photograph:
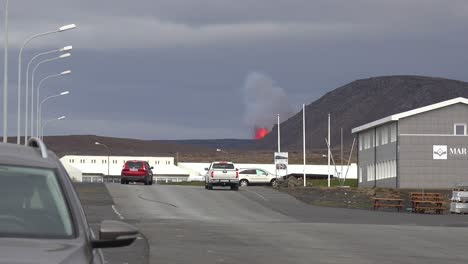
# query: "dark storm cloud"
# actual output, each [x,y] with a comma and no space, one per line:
[176,69]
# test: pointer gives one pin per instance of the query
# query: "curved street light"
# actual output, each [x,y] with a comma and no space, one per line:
[108,154]
[5,75]
[20,56]
[32,85]
[26,112]
[40,107]
[38,97]
[46,122]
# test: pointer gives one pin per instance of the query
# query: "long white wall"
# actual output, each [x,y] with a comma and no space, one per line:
[164,166]
[98,164]
[198,169]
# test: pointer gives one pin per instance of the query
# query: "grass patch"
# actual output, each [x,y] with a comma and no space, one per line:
[185,183]
[333,182]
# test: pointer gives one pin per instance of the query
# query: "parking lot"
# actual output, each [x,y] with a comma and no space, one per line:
[184,224]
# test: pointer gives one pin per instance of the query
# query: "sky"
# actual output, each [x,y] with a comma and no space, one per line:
[180,69]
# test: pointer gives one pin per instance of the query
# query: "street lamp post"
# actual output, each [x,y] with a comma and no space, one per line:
[46,122]
[108,154]
[26,113]
[5,77]
[39,86]
[45,100]
[32,85]
[20,56]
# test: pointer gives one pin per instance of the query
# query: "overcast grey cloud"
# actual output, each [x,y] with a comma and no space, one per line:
[170,69]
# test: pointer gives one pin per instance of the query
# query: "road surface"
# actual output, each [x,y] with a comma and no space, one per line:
[260,225]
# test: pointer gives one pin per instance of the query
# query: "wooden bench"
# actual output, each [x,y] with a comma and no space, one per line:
[422,202]
[388,202]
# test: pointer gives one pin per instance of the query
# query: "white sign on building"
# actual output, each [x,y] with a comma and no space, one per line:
[439,152]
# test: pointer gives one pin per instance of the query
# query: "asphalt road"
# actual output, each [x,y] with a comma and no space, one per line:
[259,225]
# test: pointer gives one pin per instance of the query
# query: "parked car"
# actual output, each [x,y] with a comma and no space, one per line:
[221,173]
[251,176]
[41,217]
[136,171]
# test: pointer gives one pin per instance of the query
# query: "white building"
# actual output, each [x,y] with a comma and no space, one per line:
[103,165]
[92,168]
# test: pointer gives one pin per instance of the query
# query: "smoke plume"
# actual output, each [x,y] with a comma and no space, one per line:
[263,101]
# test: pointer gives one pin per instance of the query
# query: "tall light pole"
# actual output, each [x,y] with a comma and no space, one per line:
[20,56]
[26,112]
[32,85]
[46,122]
[329,150]
[45,100]
[38,98]
[5,77]
[108,154]
[304,141]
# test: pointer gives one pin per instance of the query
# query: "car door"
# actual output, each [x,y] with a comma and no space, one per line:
[261,176]
[248,175]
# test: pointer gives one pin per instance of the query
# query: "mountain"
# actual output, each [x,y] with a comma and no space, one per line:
[358,103]
[85,145]
[214,143]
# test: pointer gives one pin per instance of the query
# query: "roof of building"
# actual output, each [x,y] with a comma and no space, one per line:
[416,111]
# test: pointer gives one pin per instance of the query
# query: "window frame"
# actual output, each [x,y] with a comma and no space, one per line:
[455,129]
[68,204]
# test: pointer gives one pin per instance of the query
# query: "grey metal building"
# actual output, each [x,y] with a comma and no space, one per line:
[422,148]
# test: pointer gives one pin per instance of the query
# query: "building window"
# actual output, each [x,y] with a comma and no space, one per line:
[459,129]
[378,135]
[384,135]
[393,135]
[360,141]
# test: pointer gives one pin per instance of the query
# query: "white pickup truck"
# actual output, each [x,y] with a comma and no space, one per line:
[222,173]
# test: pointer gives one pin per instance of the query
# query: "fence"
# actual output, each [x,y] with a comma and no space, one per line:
[116,179]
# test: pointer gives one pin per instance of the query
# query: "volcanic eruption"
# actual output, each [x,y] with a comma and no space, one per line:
[260,132]
[263,100]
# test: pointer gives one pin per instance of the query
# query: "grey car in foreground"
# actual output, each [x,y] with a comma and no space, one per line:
[41,217]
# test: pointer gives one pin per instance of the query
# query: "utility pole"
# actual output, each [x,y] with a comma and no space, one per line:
[5,79]
[329,146]
[304,141]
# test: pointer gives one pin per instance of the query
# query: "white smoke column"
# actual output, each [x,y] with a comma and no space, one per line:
[263,101]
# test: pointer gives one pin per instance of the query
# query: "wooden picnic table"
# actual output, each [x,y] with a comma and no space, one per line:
[388,202]
[420,202]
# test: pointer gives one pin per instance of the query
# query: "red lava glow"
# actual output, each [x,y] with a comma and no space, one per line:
[260,133]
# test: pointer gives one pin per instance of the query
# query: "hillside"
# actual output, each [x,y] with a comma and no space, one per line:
[85,145]
[360,102]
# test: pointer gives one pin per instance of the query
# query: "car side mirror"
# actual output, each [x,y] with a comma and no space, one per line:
[206,169]
[115,234]
[151,167]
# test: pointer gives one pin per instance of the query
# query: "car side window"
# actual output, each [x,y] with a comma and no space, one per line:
[260,172]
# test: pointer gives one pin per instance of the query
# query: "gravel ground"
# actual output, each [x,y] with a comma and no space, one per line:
[358,198]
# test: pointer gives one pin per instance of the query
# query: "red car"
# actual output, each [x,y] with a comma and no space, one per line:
[136,171]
